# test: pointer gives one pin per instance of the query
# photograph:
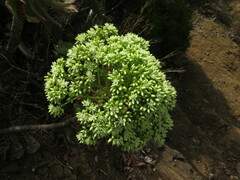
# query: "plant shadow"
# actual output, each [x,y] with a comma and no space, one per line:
[205,130]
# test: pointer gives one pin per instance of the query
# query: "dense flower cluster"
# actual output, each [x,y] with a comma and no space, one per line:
[117,89]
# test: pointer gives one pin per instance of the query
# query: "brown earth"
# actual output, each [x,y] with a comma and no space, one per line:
[207,119]
[204,142]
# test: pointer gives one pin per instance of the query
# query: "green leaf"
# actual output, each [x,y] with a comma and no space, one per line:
[36,11]
[14,6]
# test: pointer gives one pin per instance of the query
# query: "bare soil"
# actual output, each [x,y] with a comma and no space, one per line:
[207,119]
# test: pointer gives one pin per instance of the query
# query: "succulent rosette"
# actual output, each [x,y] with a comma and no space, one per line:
[116,86]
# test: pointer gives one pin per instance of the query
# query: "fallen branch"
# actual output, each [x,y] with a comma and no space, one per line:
[27,128]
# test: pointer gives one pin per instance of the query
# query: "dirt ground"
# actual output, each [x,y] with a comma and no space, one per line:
[207,119]
[204,142]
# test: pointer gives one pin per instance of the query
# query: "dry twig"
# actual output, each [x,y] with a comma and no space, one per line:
[27,128]
[15,36]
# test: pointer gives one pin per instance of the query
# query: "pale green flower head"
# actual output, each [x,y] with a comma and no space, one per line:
[116,86]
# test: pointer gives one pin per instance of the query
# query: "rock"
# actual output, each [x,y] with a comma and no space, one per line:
[234,177]
[211,176]
[227,171]
[238,167]
[147,159]
[32,144]
[17,150]
[173,165]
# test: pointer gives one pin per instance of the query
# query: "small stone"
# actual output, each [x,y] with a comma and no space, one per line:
[96,158]
[32,144]
[211,176]
[238,167]
[227,172]
[17,150]
[147,159]
[234,177]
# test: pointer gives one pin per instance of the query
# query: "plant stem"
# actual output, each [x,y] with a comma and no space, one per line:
[15,36]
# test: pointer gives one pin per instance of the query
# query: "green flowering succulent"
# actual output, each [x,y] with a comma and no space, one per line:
[116,86]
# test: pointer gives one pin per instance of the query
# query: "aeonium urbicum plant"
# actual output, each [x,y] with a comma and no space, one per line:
[116,86]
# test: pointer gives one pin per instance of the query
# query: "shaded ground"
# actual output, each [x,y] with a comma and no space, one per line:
[207,120]
[206,131]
